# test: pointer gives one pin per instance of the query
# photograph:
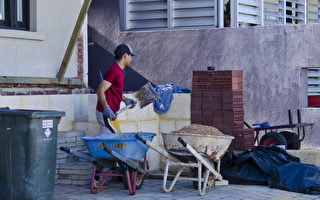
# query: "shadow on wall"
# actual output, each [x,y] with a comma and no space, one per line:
[99,59]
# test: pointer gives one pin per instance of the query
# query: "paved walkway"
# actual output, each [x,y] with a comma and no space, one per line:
[152,189]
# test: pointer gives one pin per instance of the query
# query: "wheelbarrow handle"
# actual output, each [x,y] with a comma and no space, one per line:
[65,149]
[140,138]
[182,141]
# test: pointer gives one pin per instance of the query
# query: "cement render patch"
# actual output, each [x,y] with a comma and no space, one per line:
[152,189]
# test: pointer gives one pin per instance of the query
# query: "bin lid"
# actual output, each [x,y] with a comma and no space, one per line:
[33,113]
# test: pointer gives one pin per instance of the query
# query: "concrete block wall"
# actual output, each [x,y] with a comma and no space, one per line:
[143,120]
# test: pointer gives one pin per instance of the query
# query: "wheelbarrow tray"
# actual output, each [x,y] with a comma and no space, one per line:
[212,146]
[124,144]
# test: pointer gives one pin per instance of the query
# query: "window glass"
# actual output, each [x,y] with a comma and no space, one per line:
[2,13]
[19,11]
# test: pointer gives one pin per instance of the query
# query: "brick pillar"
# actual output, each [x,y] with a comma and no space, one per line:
[217,100]
[80,57]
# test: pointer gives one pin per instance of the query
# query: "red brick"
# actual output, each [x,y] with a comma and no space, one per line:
[196,120]
[195,106]
[8,93]
[232,106]
[212,99]
[206,106]
[202,76]
[196,114]
[207,113]
[213,93]
[196,93]
[227,73]
[211,106]
[65,92]
[201,86]
[51,92]
[37,92]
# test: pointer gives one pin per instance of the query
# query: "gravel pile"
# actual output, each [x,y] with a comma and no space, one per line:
[200,129]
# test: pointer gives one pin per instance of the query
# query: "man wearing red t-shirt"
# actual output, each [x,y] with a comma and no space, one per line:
[110,89]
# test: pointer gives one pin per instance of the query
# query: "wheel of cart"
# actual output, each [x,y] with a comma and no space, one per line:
[120,152]
[293,141]
[273,139]
[289,138]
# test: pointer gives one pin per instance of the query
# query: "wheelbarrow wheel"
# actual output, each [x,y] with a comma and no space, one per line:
[292,140]
[273,139]
[139,181]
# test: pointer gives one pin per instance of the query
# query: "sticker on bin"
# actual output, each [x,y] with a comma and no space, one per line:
[47,132]
[47,123]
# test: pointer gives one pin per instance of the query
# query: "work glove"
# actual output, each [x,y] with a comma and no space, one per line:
[108,113]
[131,102]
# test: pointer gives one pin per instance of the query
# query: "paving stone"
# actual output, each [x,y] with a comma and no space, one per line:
[183,190]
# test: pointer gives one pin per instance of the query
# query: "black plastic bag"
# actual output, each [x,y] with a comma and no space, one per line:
[296,177]
[271,166]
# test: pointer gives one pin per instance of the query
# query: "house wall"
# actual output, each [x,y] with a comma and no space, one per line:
[39,52]
[272,58]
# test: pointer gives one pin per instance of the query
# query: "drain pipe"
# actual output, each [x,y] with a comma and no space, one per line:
[220,14]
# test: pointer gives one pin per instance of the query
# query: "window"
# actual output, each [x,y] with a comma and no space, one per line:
[14,14]
[314,87]
[143,14]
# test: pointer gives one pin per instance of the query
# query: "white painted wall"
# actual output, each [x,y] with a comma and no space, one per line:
[39,53]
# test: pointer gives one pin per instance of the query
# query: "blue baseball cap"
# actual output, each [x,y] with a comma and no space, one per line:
[122,49]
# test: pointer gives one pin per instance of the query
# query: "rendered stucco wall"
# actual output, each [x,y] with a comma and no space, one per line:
[272,58]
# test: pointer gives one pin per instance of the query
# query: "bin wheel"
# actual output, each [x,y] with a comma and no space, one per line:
[273,139]
[292,140]
[139,181]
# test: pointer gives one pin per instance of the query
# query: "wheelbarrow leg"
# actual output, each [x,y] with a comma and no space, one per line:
[165,177]
[205,179]
[95,191]
[131,188]
[201,159]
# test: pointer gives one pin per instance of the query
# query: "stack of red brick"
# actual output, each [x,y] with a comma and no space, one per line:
[217,100]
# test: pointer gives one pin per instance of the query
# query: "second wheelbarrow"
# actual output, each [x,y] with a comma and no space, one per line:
[120,151]
[195,151]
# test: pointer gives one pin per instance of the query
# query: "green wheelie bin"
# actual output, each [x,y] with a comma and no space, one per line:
[28,143]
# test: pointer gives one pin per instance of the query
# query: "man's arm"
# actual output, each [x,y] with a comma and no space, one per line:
[103,86]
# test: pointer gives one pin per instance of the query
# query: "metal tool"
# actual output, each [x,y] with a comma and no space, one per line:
[146,95]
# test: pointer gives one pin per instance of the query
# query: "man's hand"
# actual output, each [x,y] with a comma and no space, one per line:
[109,113]
[131,102]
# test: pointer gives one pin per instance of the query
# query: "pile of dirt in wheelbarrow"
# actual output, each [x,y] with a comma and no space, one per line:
[199,129]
